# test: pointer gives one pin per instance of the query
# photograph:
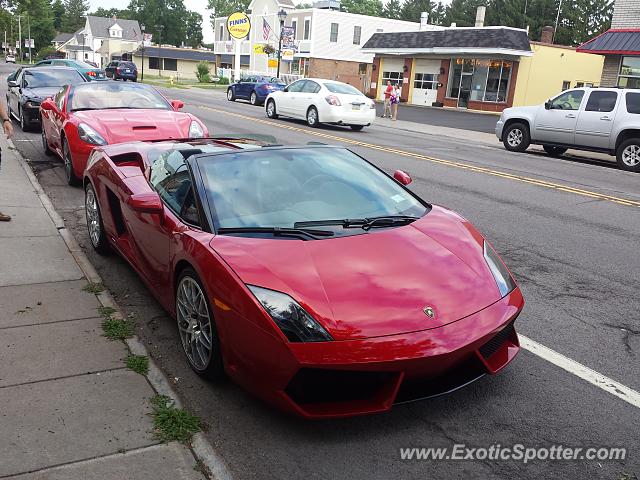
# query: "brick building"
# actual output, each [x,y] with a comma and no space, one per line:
[620,45]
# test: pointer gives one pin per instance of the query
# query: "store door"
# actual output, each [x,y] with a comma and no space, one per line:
[465,90]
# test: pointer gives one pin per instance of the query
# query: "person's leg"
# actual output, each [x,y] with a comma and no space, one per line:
[387,108]
[394,109]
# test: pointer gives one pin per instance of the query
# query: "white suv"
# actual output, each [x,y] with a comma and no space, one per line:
[595,119]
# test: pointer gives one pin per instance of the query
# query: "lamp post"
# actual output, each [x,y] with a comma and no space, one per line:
[84,42]
[282,16]
[160,28]
[142,29]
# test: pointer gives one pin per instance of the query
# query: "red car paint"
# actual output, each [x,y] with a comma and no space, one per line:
[370,302]
[115,126]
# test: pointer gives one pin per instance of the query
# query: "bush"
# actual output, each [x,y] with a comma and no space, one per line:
[44,52]
[223,81]
[202,72]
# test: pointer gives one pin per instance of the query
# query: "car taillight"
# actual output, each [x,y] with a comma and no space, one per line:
[269,87]
[333,100]
[91,74]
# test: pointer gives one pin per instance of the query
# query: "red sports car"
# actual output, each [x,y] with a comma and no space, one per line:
[81,117]
[308,275]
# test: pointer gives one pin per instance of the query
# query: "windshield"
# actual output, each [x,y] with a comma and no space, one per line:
[280,187]
[103,95]
[80,64]
[342,88]
[50,78]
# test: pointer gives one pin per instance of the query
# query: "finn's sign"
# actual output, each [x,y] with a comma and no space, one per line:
[238,25]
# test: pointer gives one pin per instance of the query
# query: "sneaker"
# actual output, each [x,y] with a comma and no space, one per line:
[5,218]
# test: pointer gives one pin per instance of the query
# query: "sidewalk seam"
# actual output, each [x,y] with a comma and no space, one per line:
[200,447]
[64,377]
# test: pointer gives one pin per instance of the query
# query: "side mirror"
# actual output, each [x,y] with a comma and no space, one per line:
[285,89]
[148,202]
[177,104]
[403,177]
[12,84]
[547,105]
[48,104]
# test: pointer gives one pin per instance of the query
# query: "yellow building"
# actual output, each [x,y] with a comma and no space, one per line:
[172,61]
[554,68]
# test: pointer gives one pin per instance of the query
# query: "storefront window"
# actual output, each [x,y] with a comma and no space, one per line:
[489,79]
[393,77]
[629,76]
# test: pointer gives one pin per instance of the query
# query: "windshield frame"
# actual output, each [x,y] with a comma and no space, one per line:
[195,164]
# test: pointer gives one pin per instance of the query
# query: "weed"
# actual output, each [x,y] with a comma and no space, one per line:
[138,363]
[94,288]
[171,423]
[117,329]
[106,311]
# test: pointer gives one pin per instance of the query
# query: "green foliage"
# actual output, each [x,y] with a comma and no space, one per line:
[74,15]
[43,52]
[138,363]
[179,25]
[392,9]
[117,329]
[203,70]
[57,8]
[93,288]
[111,12]
[171,423]
[363,7]
[303,5]
[222,8]
[193,29]
[223,81]
[38,15]
[411,11]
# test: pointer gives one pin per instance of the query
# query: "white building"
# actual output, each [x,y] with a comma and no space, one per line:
[327,41]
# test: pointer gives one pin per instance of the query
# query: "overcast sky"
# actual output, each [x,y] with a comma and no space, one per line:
[196,5]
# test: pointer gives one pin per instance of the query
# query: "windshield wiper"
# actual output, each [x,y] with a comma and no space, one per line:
[364,223]
[278,231]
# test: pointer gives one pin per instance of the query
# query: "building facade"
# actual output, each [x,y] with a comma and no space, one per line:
[326,42]
[171,61]
[480,68]
[620,46]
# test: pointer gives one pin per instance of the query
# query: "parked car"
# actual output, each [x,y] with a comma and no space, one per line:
[81,117]
[595,119]
[322,101]
[10,58]
[32,86]
[90,72]
[254,88]
[269,259]
[123,70]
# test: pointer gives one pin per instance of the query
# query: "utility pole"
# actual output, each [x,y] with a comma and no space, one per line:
[29,30]
[160,28]
[20,37]
[142,28]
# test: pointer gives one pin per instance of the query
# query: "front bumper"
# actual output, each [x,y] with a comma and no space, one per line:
[499,128]
[357,377]
[31,113]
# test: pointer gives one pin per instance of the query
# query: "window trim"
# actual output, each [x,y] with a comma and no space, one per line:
[331,33]
[294,25]
[597,92]
[357,28]
[619,76]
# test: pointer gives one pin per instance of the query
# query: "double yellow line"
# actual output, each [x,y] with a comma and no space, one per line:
[449,163]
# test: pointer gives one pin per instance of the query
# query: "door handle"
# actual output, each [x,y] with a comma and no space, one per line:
[608,119]
[570,115]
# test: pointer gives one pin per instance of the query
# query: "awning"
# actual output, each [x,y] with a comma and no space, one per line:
[623,41]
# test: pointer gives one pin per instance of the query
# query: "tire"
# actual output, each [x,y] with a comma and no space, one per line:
[271,109]
[628,155]
[516,137]
[357,128]
[23,125]
[45,145]
[231,96]
[312,117]
[253,99]
[95,227]
[554,151]
[192,327]
[72,179]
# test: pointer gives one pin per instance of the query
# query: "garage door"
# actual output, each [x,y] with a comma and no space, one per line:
[425,82]
[392,70]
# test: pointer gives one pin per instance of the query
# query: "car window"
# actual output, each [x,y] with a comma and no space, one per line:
[170,178]
[311,87]
[633,102]
[342,88]
[602,101]
[44,62]
[569,100]
[296,86]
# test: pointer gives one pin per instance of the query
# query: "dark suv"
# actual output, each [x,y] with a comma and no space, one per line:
[124,70]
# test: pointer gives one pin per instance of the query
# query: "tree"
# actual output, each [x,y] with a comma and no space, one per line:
[222,8]
[57,8]
[304,5]
[193,29]
[170,14]
[463,12]
[112,12]
[411,11]
[392,9]
[74,15]
[38,14]
[373,8]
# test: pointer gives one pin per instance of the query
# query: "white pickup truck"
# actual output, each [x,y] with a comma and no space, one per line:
[594,119]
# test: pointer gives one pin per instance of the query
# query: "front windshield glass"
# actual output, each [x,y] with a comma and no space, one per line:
[81,64]
[39,78]
[342,88]
[109,95]
[279,187]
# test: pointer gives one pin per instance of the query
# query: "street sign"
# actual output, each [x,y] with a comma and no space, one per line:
[287,55]
[147,39]
[29,43]
[238,25]
[258,48]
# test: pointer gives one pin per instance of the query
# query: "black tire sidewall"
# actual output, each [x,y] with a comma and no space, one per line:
[526,139]
[72,179]
[275,111]
[103,244]
[313,125]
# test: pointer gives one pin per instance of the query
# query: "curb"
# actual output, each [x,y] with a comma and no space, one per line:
[200,447]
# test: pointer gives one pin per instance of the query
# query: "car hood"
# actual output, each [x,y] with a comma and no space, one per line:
[40,92]
[121,125]
[378,283]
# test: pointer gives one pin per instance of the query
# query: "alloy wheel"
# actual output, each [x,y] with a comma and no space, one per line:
[254,98]
[271,109]
[631,155]
[312,117]
[194,323]
[514,138]
[230,95]
[68,165]
[93,217]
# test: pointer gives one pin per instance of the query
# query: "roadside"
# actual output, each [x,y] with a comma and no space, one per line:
[76,404]
[173,82]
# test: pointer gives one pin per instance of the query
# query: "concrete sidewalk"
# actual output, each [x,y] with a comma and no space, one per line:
[69,408]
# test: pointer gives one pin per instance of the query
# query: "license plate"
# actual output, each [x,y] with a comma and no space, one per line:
[355,107]
[127,71]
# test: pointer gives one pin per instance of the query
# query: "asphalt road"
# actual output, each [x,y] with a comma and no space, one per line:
[571,238]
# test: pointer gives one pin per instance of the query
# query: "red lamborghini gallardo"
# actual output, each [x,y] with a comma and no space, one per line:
[308,275]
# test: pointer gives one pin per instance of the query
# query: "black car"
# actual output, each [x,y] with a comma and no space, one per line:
[121,69]
[32,86]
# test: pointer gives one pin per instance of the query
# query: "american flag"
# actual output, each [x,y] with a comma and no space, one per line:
[266,29]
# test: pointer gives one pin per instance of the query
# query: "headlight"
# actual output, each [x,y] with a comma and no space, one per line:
[502,276]
[195,130]
[89,135]
[291,318]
